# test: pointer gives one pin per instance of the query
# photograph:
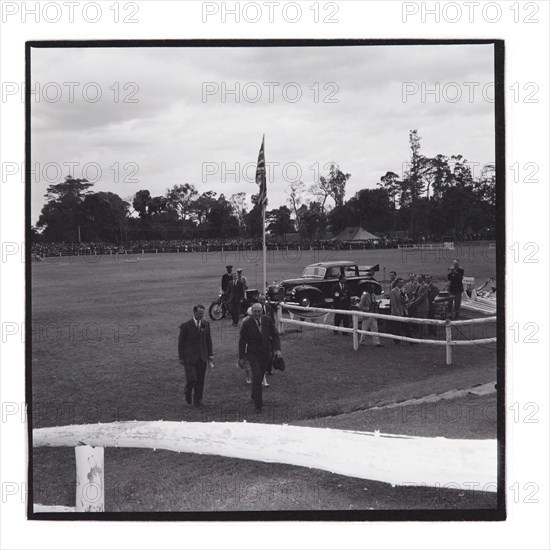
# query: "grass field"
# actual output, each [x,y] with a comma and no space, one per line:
[105,349]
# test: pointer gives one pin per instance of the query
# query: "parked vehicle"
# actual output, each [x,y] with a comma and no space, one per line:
[313,288]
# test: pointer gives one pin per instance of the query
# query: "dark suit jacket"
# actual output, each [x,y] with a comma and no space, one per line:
[256,346]
[192,345]
[455,281]
[226,279]
[421,302]
[341,299]
[236,290]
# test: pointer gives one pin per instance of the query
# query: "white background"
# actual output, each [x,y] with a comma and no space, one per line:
[527,60]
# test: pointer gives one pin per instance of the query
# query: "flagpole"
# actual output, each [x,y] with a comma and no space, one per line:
[264,259]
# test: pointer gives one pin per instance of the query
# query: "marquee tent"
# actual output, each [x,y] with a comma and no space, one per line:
[355,234]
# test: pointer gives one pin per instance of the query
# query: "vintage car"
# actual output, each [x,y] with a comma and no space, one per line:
[313,288]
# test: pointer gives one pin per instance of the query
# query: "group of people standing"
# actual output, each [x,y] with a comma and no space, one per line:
[341,299]
[415,298]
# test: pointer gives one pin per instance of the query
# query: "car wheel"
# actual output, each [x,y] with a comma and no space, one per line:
[305,301]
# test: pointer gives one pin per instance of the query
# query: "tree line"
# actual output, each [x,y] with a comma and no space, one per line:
[435,197]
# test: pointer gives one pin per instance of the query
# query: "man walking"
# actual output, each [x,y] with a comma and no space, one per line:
[195,350]
[257,342]
[235,298]
[341,296]
[456,288]
[369,304]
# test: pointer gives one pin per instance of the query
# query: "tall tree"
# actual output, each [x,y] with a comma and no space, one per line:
[333,186]
[238,203]
[202,205]
[390,182]
[296,192]
[279,221]
[60,216]
[180,199]
[413,184]
[104,217]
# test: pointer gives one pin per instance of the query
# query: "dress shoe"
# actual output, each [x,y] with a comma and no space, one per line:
[258,410]
[198,405]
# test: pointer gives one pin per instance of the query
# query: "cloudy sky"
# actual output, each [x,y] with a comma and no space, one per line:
[162,117]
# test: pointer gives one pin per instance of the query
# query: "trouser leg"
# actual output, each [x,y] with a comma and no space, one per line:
[373,327]
[189,389]
[257,377]
[199,386]
[457,304]
[364,326]
[234,310]
[345,321]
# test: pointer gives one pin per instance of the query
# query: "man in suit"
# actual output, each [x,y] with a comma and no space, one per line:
[410,288]
[393,280]
[433,291]
[195,351]
[341,297]
[397,308]
[226,277]
[236,293]
[456,287]
[421,304]
[257,341]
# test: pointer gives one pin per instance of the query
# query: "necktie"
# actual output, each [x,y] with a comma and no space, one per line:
[198,325]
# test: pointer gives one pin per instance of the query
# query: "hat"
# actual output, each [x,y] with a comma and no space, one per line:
[228,267]
[240,269]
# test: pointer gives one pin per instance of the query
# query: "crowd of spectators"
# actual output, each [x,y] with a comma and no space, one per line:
[67,248]
[196,245]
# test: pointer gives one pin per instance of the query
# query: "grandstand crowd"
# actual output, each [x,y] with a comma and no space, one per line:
[198,245]
[70,248]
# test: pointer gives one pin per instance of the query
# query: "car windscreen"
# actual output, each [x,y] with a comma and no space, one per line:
[314,272]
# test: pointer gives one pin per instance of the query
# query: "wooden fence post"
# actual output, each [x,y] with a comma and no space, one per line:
[279,318]
[90,479]
[448,338]
[355,335]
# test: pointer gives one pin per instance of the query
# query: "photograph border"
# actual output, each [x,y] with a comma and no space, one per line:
[496,514]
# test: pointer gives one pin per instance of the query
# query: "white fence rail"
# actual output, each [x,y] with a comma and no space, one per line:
[396,459]
[427,246]
[356,331]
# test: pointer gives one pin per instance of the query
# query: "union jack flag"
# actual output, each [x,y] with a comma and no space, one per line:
[260,177]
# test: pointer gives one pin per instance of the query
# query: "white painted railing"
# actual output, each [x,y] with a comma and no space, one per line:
[427,246]
[356,331]
[396,459]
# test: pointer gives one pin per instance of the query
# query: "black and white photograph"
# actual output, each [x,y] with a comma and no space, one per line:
[265,279]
